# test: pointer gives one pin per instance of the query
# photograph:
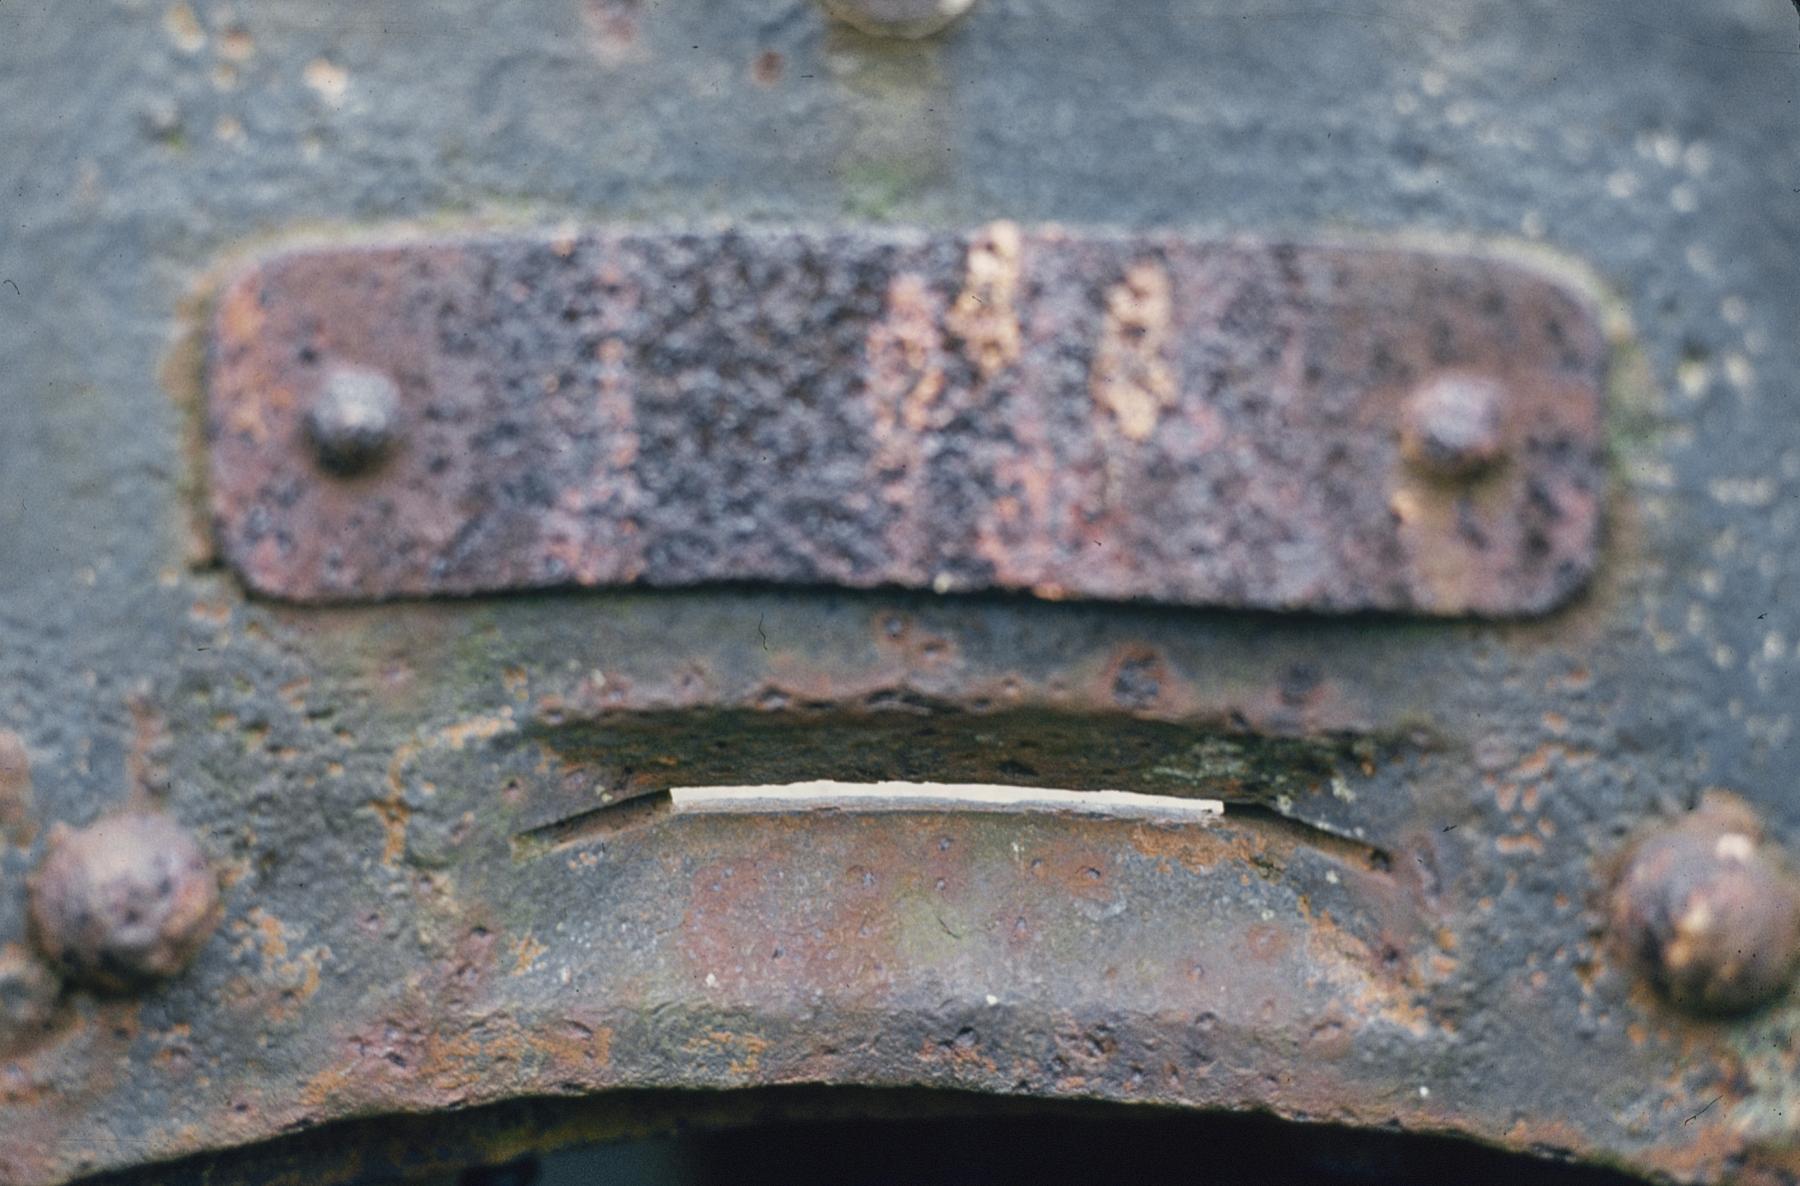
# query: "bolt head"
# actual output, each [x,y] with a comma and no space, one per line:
[1455,426]
[354,420]
[124,902]
[1708,913]
[910,19]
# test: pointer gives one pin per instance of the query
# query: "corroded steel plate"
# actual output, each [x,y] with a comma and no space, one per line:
[1074,416]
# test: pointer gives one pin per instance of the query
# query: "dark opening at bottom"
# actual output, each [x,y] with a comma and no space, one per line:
[1047,1150]
[855,1136]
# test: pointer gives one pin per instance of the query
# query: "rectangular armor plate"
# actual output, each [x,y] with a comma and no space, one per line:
[1134,417]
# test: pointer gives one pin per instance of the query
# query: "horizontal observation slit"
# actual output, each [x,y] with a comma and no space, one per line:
[629,814]
[905,796]
[617,773]
[612,820]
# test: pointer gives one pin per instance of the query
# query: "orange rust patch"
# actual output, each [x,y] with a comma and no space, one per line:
[961,1051]
[1538,763]
[984,315]
[905,355]
[526,953]
[395,815]
[211,613]
[1133,375]
[743,1051]
[175,1051]
[286,983]
[393,810]
[1196,850]
[457,736]
[410,1052]
[1524,842]
[575,1046]
[273,934]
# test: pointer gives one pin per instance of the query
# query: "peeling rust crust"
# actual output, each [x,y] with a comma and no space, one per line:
[1073,416]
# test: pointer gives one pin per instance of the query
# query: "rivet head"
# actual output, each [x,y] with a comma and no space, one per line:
[898,18]
[124,902]
[1708,913]
[1454,426]
[354,420]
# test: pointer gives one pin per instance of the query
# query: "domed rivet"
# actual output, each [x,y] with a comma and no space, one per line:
[124,902]
[354,420]
[1454,426]
[1709,912]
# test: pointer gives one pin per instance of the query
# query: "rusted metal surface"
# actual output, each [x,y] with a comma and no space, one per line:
[443,876]
[1076,416]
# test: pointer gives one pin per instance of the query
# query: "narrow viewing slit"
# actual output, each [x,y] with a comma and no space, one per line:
[609,819]
[623,773]
[912,796]
[640,811]
[595,825]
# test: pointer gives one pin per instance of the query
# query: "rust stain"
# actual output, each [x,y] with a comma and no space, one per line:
[1537,763]
[905,354]
[960,1052]
[743,1052]
[578,1045]
[527,952]
[402,1048]
[457,736]
[1133,375]
[905,358]
[1196,850]
[288,979]
[394,815]
[984,316]
[293,693]
[392,810]
[175,1051]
